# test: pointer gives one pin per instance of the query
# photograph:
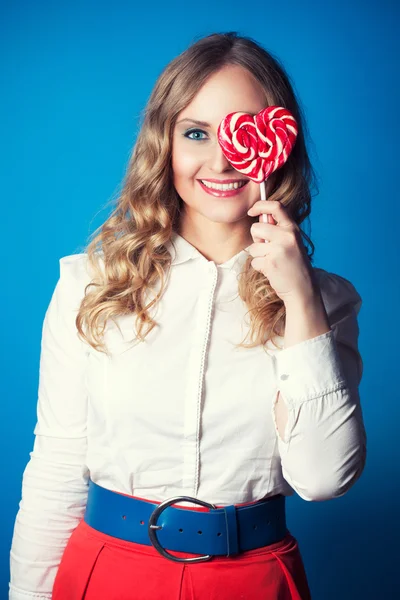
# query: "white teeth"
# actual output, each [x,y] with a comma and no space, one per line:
[224,186]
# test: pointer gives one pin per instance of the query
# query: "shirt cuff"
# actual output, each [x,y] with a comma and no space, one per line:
[17,594]
[309,369]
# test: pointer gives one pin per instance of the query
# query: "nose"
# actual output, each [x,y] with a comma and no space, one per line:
[218,161]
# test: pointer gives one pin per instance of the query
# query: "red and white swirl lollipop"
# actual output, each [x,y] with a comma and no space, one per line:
[257,146]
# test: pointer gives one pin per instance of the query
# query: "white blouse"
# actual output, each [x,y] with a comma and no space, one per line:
[184,412]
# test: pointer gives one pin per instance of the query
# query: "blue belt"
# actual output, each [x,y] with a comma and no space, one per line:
[219,531]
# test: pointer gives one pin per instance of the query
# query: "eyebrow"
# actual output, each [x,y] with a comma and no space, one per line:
[201,123]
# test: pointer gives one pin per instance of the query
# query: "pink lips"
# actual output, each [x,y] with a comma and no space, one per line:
[221,193]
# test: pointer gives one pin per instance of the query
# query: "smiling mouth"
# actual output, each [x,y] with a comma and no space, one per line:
[223,187]
[223,190]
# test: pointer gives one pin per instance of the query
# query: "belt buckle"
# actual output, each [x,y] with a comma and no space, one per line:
[152,527]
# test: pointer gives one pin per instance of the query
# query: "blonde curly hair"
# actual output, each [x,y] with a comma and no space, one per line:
[129,253]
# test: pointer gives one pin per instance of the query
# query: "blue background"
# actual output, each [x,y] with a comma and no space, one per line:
[74,78]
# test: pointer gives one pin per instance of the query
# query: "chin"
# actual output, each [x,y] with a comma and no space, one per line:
[225,215]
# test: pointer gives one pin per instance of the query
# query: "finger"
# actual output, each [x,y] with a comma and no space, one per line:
[258,249]
[264,218]
[272,207]
[266,231]
[258,263]
[258,239]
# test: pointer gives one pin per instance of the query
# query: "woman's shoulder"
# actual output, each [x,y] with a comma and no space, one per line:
[76,270]
[337,291]
[79,264]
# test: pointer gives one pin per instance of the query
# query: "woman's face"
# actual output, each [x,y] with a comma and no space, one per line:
[197,155]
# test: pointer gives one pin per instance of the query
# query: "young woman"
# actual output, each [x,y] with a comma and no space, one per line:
[192,375]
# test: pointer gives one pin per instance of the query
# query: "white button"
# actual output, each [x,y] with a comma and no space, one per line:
[284,377]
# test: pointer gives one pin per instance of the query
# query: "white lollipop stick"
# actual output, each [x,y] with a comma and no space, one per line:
[264,217]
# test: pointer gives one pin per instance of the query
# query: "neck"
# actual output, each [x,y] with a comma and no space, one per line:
[218,242]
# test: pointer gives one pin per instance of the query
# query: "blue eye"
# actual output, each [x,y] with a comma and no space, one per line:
[190,131]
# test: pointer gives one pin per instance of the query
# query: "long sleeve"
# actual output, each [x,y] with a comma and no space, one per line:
[323,451]
[55,480]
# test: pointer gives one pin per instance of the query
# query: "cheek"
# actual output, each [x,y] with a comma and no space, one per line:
[185,161]
[254,190]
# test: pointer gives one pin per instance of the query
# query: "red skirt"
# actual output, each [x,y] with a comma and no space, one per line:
[96,566]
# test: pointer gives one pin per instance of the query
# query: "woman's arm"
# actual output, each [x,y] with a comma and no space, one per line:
[317,411]
[305,319]
[55,480]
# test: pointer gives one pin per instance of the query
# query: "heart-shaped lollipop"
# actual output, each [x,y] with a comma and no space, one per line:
[257,146]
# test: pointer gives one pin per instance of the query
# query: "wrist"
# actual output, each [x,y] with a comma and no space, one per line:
[308,294]
[309,298]
[306,318]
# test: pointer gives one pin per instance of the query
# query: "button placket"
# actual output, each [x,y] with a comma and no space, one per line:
[196,373]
